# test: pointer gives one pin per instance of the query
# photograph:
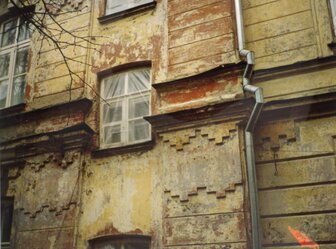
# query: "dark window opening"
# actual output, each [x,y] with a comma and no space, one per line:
[6,220]
[121,242]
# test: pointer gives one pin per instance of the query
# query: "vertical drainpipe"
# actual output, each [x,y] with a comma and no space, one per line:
[249,148]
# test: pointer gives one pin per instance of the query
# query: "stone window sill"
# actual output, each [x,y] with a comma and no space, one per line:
[7,111]
[140,147]
[126,13]
[332,46]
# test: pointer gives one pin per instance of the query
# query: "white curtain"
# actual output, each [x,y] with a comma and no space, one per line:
[128,97]
[114,6]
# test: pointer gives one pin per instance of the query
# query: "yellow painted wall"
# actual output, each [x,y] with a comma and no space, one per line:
[283,32]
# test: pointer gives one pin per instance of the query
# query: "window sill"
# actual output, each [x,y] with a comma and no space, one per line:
[5,245]
[126,13]
[332,46]
[12,109]
[140,147]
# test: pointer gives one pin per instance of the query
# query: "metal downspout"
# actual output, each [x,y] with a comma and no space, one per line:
[249,147]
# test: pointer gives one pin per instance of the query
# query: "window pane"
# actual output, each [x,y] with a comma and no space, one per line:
[18,90]
[107,247]
[113,6]
[137,246]
[138,130]
[138,107]
[138,80]
[112,112]
[21,61]
[6,219]
[4,64]
[9,30]
[112,134]
[114,86]
[3,93]
[24,32]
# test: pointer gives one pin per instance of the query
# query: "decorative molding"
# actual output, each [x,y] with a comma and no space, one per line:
[184,196]
[275,132]
[179,139]
[43,208]
[217,133]
[62,161]
[211,160]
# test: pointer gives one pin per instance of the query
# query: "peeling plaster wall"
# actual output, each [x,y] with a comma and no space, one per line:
[45,192]
[197,93]
[189,191]
[122,195]
[200,36]
[178,191]
[284,32]
[204,200]
[49,80]
[309,83]
[129,39]
[296,178]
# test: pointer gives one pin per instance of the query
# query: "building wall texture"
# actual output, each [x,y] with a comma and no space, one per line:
[188,187]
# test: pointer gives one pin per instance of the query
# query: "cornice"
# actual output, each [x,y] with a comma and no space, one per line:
[224,112]
[294,69]
[75,137]
[300,108]
[225,70]
[10,116]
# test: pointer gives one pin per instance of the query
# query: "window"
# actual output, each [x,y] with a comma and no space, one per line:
[115,6]
[333,14]
[127,96]
[6,210]
[6,220]
[121,242]
[14,45]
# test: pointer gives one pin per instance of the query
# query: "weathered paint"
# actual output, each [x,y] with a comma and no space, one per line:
[297,190]
[189,191]
[284,32]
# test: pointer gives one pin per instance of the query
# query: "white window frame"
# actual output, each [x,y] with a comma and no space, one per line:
[124,136]
[123,5]
[333,14]
[12,50]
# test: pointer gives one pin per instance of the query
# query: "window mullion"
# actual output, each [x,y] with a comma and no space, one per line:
[17,32]
[125,109]
[2,33]
[11,76]
[333,13]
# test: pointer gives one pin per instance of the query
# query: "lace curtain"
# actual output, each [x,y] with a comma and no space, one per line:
[114,6]
[128,100]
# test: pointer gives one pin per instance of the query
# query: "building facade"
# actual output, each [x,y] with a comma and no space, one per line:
[128,124]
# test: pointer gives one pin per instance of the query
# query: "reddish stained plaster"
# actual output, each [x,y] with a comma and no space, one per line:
[196,92]
[111,230]
[28,92]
